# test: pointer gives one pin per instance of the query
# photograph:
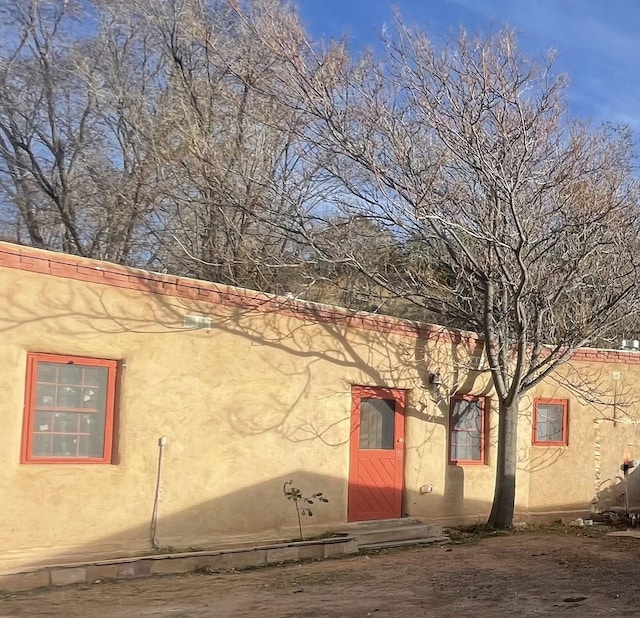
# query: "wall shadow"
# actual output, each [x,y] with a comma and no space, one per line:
[222,522]
[612,494]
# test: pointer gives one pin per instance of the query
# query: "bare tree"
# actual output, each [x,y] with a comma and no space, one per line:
[43,119]
[71,168]
[513,220]
[149,133]
[123,170]
[236,175]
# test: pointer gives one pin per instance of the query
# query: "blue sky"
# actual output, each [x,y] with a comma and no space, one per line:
[597,41]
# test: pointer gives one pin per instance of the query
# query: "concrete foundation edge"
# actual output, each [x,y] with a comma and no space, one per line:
[175,564]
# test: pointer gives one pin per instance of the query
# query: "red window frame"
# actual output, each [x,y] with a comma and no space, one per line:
[482,401]
[565,422]
[26,455]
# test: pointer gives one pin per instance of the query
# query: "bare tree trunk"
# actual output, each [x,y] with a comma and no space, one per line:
[501,516]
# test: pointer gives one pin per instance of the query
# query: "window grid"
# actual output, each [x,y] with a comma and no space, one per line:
[69,411]
[550,422]
[467,430]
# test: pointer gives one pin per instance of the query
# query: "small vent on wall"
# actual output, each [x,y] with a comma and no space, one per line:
[476,363]
[473,363]
[196,321]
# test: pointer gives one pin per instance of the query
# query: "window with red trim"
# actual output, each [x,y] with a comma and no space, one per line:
[550,418]
[69,409]
[467,430]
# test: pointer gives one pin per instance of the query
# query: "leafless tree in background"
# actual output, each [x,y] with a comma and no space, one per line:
[75,172]
[236,177]
[126,173]
[45,114]
[150,133]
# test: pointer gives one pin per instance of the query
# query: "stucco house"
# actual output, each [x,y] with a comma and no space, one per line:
[142,409]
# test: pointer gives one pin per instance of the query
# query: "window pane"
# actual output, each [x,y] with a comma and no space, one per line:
[95,376]
[88,397]
[68,397]
[43,421]
[64,446]
[549,422]
[65,423]
[466,430]
[95,380]
[69,374]
[83,446]
[47,372]
[69,412]
[377,422]
[467,416]
[466,446]
[45,395]
[96,438]
[42,445]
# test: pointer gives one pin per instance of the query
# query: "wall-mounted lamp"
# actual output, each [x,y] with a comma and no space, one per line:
[435,379]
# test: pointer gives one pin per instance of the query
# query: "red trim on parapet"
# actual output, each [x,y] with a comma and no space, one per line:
[114,275]
[106,273]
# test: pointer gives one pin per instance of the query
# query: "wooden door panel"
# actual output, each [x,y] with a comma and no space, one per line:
[377,454]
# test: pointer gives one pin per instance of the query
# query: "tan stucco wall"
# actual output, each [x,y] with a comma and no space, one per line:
[260,398]
[602,428]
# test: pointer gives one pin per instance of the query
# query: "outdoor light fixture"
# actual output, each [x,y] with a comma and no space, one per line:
[435,379]
[630,344]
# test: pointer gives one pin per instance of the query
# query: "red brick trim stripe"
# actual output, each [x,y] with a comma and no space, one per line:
[593,355]
[105,273]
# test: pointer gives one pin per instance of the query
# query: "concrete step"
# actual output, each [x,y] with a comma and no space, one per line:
[387,534]
[411,530]
[436,540]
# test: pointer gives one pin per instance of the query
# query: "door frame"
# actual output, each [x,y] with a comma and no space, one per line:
[399,396]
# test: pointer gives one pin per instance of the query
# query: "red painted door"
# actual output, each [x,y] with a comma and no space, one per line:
[376,466]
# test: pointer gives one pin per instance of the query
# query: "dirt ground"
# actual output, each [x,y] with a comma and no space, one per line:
[559,573]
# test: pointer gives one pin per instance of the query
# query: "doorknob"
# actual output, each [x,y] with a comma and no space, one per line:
[400,440]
